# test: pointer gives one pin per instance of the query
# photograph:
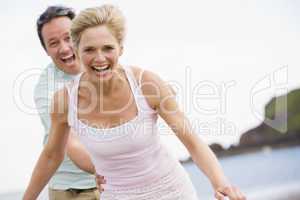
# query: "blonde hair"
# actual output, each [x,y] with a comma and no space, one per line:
[107,15]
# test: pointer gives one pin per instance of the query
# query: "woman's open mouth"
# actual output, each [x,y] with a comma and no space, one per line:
[100,69]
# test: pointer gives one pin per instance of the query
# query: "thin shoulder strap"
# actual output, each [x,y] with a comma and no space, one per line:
[136,86]
[133,85]
[140,78]
[73,99]
[70,90]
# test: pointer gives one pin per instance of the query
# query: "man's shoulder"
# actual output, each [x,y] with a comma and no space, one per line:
[45,72]
[50,80]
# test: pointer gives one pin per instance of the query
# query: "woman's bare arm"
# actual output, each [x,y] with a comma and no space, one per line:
[161,97]
[79,155]
[54,151]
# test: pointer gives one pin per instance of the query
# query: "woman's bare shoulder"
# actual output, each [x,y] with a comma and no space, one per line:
[146,76]
[59,105]
[150,83]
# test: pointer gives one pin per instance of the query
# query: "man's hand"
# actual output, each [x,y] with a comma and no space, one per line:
[233,193]
[99,181]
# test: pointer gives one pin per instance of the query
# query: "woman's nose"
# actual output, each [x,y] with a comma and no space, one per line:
[100,57]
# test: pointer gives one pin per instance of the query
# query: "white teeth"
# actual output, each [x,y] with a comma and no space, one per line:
[67,57]
[100,68]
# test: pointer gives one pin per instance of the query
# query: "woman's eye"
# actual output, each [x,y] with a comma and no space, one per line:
[68,39]
[88,50]
[108,48]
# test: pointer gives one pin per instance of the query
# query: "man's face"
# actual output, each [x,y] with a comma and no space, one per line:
[56,36]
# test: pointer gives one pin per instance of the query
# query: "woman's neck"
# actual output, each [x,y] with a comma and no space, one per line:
[107,88]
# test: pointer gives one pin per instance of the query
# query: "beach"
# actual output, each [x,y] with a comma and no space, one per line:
[264,175]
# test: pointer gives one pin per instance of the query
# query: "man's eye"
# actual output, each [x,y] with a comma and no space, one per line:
[53,44]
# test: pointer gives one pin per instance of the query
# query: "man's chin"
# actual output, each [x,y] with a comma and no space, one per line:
[73,70]
[70,68]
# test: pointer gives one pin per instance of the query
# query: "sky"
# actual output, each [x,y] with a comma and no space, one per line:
[225,59]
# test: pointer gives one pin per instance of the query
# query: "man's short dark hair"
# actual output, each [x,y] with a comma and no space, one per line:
[50,13]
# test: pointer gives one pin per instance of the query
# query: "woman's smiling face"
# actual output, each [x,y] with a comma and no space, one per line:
[99,52]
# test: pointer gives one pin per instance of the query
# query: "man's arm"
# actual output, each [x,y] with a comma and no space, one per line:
[42,92]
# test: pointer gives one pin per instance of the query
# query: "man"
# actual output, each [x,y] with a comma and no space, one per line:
[69,182]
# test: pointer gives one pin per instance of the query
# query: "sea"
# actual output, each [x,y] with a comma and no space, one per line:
[268,174]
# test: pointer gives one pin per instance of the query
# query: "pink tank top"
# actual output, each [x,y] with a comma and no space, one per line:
[130,155]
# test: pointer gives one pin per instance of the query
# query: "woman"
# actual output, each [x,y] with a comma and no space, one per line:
[114,110]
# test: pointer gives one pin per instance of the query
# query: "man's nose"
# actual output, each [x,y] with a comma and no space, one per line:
[65,47]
